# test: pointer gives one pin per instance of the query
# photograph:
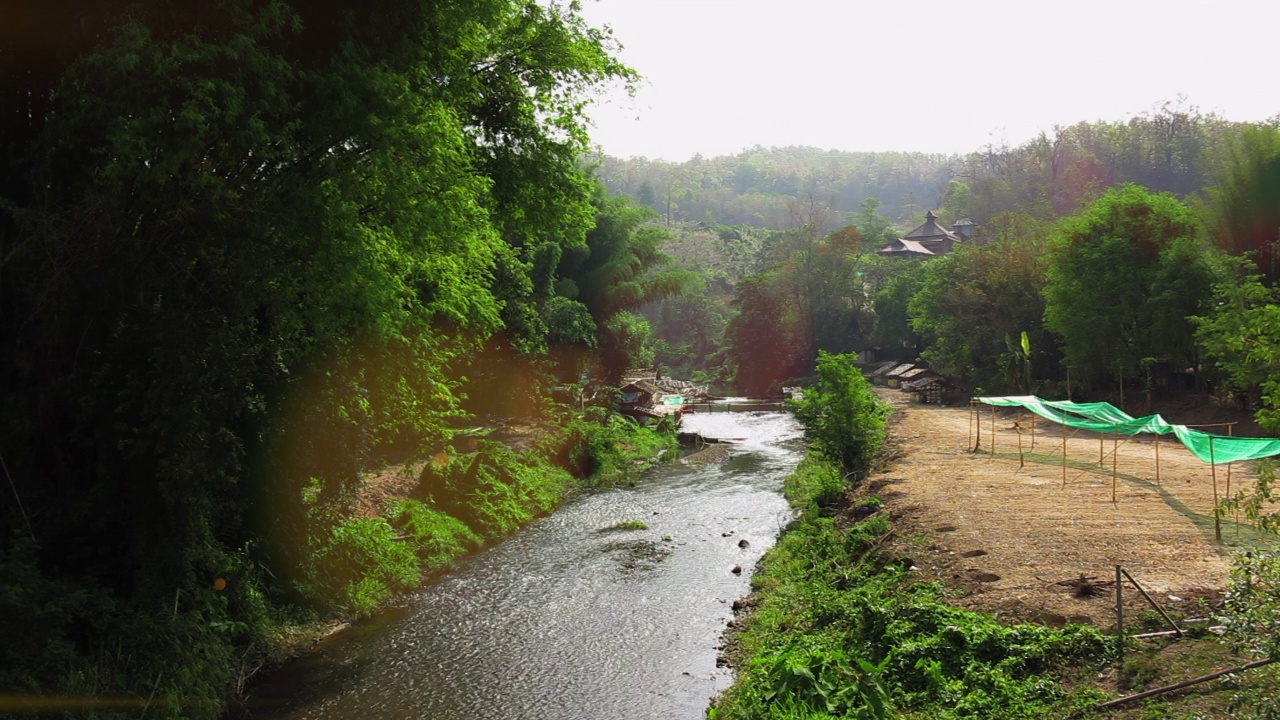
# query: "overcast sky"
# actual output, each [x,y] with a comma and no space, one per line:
[927,76]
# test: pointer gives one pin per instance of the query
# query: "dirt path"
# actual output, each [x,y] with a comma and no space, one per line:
[1006,534]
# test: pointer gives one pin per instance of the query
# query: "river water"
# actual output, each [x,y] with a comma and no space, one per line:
[566,620]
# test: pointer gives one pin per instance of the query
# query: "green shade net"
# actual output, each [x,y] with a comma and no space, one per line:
[1107,418]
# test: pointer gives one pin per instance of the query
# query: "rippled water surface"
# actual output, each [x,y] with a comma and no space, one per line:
[566,621]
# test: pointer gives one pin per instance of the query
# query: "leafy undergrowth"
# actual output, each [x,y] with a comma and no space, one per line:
[839,630]
[1157,663]
[464,500]
[837,627]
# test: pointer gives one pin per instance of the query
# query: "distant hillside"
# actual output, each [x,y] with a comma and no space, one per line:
[754,187]
[1049,176]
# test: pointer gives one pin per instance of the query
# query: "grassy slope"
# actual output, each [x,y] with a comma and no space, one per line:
[837,627]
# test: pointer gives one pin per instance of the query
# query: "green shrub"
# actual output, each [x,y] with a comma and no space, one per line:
[627,525]
[361,563]
[843,419]
[839,629]
[813,483]
[438,539]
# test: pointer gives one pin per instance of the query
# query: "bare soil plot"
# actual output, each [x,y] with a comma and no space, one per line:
[1009,535]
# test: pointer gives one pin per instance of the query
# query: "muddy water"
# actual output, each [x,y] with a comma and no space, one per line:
[566,620]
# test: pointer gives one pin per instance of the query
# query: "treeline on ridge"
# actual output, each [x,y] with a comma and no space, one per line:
[1109,256]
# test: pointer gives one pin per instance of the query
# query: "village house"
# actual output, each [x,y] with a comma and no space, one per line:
[930,239]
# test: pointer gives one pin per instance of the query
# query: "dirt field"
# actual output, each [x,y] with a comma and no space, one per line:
[1007,535]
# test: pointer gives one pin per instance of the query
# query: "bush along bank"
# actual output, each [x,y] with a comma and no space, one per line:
[837,627]
[196,653]
[463,501]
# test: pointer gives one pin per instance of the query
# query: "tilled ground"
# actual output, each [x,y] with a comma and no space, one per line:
[1017,540]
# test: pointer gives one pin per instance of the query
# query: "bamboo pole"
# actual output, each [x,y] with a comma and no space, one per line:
[1119,627]
[1185,683]
[1033,432]
[969,442]
[1021,460]
[1157,459]
[1229,433]
[1213,469]
[1102,439]
[977,426]
[1064,456]
[993,432]
[1115,453]
[1154,604]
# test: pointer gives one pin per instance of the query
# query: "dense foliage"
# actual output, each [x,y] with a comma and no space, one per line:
[843,419]
[249,250]
[1124,276]
[971,307]
[839,629]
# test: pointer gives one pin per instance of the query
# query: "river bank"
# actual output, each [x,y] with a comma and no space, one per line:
[871,605]
[611,606]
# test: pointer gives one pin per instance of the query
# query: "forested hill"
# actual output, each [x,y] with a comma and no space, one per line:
[1054,174]
[753,187]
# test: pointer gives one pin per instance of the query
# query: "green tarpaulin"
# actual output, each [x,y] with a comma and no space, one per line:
[1105,417]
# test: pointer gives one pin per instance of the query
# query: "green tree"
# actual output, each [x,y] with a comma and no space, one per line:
[763,341]
[691,326]
[957,202]
[620,268]
[894,331]
[1123,277]
[1239,335]
[1243,208]
[972,304]
[842,417]
[873,226]
[247,249]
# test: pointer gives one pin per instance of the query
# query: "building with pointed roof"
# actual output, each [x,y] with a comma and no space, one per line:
[929,240]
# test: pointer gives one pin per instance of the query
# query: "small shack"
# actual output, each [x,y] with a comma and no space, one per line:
[932,389]
[893,378]
[644,400]
[877,376]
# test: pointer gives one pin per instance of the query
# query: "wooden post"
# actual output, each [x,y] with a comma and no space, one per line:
[1102,439]
[1157,458]
[977,424]
[1033,432]
[1229,488]
[1119,628]
[1064,456]
[1115,453]
[1154,604]
[993,432]
[969,442]
[1021,460]
[1121,387]
[1213,469]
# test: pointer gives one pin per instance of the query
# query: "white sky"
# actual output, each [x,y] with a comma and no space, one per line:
[923,75]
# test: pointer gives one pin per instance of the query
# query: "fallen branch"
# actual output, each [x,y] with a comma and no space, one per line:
[1167,633]
[1185,683]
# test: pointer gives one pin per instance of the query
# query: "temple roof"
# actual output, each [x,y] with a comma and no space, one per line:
[930,230]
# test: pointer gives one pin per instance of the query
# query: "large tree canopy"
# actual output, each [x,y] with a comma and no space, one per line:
[974,306]
[247,245]
[1124,276]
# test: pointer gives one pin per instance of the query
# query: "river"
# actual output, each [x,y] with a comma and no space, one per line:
[567,620]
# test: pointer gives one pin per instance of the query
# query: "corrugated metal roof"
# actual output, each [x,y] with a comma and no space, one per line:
[897,372]
[884,368]
[913,372]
